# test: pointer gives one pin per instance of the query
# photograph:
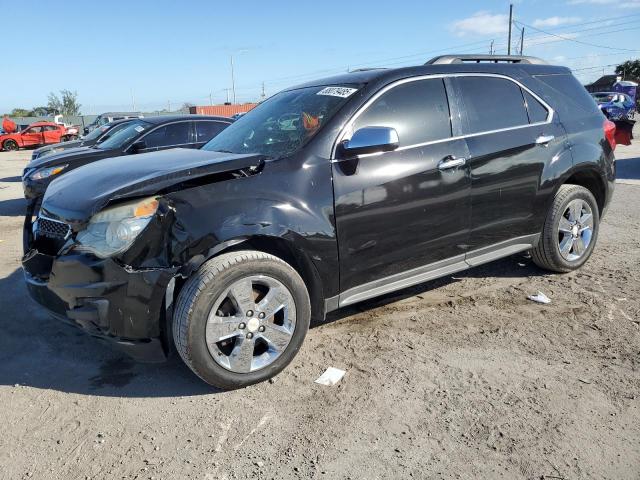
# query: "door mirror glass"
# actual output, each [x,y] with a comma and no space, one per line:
[372,140]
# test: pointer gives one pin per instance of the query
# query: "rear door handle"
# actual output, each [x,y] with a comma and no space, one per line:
[544,139]
[451,162]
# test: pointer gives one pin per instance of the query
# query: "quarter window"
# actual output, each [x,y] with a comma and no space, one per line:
[491,104]
[537,111]
[418,110]
[173,134]
[205,131]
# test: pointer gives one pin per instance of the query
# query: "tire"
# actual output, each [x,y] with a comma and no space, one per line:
[221,364]
[10,146]
[560,230]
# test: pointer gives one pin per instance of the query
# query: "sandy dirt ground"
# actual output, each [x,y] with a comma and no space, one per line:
[457,378]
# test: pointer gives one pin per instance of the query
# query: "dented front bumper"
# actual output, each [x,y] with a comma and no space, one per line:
[107,300]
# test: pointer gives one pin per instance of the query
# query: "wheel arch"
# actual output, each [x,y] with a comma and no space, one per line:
[276,246]
[592,180]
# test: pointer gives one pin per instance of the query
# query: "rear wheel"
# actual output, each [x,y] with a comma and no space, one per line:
[10,145]
[241,318]
[570,230]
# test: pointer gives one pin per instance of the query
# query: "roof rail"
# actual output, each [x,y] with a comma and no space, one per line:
[367,69]
[450,59]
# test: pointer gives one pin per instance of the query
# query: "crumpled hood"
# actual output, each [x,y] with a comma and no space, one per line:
[66,156]
[80,193]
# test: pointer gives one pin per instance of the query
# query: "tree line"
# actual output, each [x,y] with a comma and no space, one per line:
[64,104]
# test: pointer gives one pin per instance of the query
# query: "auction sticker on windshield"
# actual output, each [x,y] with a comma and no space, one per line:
[343,92]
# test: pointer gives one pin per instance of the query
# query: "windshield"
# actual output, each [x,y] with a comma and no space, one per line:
[125,135]
[95,133]
[603,97]
[284,123]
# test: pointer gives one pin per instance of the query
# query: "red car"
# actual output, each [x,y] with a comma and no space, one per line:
[36,134]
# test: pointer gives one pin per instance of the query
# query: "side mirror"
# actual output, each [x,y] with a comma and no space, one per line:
[138,146]
[371,140]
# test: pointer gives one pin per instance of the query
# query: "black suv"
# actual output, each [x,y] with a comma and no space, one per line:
[137,136]
[325,195]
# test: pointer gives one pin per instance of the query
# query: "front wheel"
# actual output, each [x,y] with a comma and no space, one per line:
[570,230]
[241,318]
[10,145]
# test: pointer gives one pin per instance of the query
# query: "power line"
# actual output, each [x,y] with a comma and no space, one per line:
[573,39]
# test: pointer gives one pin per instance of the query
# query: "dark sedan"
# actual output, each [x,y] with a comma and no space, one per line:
[96,136]
[137,136]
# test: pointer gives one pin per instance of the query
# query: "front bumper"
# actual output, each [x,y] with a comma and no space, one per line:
[105,299]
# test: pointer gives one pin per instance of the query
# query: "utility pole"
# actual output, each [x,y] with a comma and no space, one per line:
[210,99]
[522,41]
[227,90]
[491,48]
[510,23]
[133,101]
[263,92]
[233,82]
[169,106]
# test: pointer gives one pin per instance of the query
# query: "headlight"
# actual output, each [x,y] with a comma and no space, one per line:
[114,229]
[47,172]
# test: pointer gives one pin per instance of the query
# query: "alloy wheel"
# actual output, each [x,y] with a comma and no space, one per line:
[575,230]
[251,324]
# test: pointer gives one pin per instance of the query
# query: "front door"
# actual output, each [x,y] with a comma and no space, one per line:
[409,208]
[173,135]
[32,136]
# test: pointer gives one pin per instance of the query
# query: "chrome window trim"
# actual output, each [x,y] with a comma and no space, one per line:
[349,124]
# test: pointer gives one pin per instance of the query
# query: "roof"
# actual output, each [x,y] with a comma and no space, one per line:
[160,119]
[41,123]
[368,76]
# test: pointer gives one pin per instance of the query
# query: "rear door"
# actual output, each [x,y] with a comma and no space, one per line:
[51,134]
[511,138]
[397,211]
[32,136]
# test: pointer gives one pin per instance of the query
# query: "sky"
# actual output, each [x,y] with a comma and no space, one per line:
[157,54]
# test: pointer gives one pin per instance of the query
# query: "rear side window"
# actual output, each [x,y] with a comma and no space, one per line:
[571,91]
[173,134]
[418,110]
[205,131]
[491,104]
[537,111]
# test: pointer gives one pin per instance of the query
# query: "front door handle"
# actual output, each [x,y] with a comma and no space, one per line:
[451,162]
[544,139]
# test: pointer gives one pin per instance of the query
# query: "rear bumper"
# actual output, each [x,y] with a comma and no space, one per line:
[106,300]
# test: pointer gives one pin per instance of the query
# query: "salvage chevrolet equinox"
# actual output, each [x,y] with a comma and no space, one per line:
[325,195]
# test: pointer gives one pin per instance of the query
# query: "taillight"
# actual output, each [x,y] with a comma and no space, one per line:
[610,133]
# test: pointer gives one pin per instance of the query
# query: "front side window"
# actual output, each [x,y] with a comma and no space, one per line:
[124,136]
[491,104]
[417,110]
[172,134]
[284,123]
[34,130]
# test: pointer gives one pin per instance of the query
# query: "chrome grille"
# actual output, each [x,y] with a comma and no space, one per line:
[47,227]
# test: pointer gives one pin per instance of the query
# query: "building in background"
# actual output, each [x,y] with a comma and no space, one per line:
[223,110]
